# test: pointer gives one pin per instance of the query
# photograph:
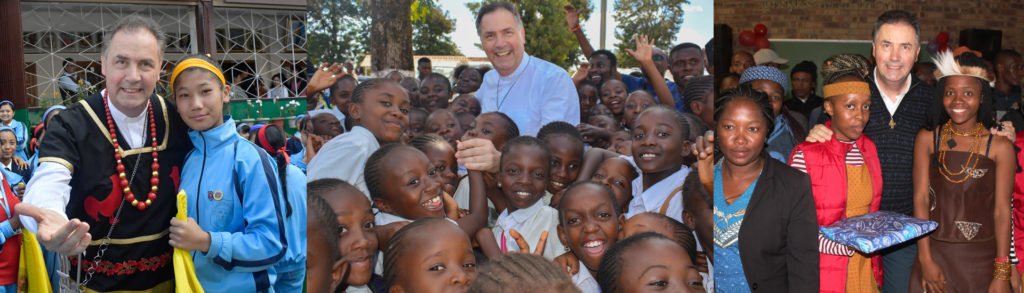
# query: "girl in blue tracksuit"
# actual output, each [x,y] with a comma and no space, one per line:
[20,130]
[291,270]
[235,226]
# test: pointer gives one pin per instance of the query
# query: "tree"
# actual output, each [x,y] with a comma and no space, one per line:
[391,34]
[547,35]
[337,30]
[660,20]
[431,30]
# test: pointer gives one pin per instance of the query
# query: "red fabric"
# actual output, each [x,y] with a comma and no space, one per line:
[826,165]
[1018,204]
[11,250]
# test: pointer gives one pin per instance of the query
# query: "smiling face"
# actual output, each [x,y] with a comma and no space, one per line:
[490,127]
[341,94]
[589,225]
[600,68]
[358,242]
[465,103]
[566,159]
[200,97]
[131,68]
[442,261]
[849,114]
[895,48]
[686,63]
[6,112]
[962,98]
[8,144]
[502,39]
[443,123]
[469,81]
[382,111]
[414,192]
[636,103]
[326,125]
[658,142]
[773,90]
[613,95]
[617,174]
[658,265]
[523,176]
[442,161]
[742,132]
[434,94]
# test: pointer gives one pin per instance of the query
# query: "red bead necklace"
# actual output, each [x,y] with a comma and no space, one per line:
[154,180]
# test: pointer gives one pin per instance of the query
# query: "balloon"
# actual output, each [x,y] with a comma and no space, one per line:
[760,30]
[933,47]
[943,47]
[747,38]
[762,43]
[942,38]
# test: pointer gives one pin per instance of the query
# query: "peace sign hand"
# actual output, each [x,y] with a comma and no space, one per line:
[524,247]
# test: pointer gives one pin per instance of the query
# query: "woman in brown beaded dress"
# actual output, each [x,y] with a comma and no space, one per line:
[963,176]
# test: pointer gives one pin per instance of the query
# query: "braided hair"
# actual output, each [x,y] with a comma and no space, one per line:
[373,171]
[681,234]
[559,128]
[519,272]
[276,139]
[843,65]
[401,243]
[604,189]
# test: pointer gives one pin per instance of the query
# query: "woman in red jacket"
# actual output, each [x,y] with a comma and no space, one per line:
[846,178]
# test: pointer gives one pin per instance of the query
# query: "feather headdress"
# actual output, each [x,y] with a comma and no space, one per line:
[948,65]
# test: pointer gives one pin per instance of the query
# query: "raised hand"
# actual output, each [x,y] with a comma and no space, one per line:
[705,152]
[324,77]
[644,49]
[572,17]
[478,154]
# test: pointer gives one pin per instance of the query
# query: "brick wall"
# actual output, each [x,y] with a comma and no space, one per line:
[854,19]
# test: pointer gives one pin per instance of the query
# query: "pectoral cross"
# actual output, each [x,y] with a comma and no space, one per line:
[892,123]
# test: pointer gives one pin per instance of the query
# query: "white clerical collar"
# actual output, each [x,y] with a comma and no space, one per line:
[132,127]
[519,69]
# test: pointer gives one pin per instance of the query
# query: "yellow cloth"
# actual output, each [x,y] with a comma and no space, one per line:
[31,266]
[859,277]
[185,280]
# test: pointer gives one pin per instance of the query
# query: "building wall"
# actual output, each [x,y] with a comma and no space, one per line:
[854,19]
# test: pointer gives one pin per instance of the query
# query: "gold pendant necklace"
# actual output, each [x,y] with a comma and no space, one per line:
[892,122]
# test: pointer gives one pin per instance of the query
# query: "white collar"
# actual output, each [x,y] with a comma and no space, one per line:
[510,220]
[133,128]
[885,97]
[383,218]
[653,197]
[523,64]
[8,124]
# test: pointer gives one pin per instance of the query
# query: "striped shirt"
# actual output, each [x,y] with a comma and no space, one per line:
[853,158]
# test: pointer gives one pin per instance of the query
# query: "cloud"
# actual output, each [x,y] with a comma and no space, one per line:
[693,8]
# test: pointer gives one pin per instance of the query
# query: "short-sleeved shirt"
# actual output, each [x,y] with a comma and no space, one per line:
[536,93]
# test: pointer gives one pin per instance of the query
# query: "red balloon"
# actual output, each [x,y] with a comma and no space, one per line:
[943,47]
[762,43]
[942,38]
[760,30]
[747,38]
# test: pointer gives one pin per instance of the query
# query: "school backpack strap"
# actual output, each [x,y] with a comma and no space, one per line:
[664,204]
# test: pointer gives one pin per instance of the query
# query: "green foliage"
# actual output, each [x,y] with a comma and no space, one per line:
[337,30]
[431,30]
[660,20]
[547,35]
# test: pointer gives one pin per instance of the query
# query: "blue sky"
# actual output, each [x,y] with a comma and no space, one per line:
[697,25]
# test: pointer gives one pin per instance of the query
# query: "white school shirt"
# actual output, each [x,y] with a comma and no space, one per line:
[50,187]
[585,281]
[344,157]
[530,223]
[536,93]
[650,200]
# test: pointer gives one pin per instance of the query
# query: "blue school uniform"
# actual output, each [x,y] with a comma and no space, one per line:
[21,132]
[233,193]
[291,271]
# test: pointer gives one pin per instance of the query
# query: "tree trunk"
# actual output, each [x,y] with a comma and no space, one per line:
[390,35]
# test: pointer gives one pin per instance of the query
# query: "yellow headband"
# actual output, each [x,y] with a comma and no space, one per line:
[196,62]
[849,87]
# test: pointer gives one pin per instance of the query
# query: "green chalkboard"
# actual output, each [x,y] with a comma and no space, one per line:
[818,50]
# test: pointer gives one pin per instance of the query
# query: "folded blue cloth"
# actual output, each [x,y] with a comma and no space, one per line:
[872,232]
